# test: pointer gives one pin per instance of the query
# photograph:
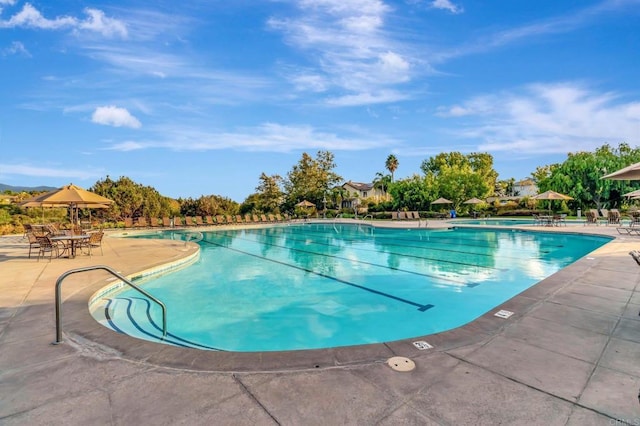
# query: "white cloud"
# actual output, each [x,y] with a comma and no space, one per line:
[268,137]
[114,116]
[29,170]
[446,5]
[30,17]
[99,23]
[548,118]
[352,49]
[16,48]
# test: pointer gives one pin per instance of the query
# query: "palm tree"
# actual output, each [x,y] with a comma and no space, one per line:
[391,164]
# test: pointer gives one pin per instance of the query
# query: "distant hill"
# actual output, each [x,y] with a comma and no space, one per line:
[4,187]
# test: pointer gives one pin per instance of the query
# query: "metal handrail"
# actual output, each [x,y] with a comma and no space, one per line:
[115,274]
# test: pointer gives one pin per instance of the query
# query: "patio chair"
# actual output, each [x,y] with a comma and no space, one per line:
[239,219]
[199,221]
[220,220]
[271,217]
[263,218]
[394,215]
[209,220]
[141,222]
[188,221]
[177,221]
[46,245]
[247,218]
[279,217]
[94,240]
[33,242]
[166,222]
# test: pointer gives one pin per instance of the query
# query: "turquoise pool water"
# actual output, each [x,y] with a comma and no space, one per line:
[494,222]
[318,286]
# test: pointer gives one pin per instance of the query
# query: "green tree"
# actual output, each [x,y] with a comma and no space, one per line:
[269,193]
[392,165]
[412,193]
[459,177]
[311,179]
[580,176]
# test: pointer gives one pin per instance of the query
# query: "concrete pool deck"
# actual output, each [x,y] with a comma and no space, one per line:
[570,355]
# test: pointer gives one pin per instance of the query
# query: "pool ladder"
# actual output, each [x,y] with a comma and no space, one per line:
[115,274]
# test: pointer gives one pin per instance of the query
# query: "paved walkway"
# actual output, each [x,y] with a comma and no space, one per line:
[569,356]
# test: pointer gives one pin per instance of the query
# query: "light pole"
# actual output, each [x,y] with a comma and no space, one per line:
[324,206]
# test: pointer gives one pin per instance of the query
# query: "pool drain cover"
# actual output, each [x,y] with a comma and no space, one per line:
[400,363]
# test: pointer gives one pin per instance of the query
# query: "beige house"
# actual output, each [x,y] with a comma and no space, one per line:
[525,188]
[358,192]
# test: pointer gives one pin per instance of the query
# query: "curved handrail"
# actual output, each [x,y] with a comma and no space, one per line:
[115,274]
[197,236]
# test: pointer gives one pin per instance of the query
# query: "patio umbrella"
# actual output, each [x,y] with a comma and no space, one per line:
[71,196]
[305,203]
[442,201]
[551,195]
[632,194]
[631,172]
[473,200]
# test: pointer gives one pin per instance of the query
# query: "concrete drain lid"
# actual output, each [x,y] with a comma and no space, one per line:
[400,363]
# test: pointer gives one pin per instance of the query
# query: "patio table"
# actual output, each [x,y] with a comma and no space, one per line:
[73,240]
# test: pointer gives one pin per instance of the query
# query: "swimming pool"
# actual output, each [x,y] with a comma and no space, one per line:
[317,286]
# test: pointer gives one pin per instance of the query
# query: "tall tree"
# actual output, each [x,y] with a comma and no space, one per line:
[311,179]
[459,177]
[269,195]
[580,176]
[392,165]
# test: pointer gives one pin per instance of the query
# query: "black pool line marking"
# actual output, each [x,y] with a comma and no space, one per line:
[129,301]
[421,307]
[393,268]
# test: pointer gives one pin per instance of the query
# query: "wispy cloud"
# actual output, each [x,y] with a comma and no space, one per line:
[96,21]
[267,137]
[532,31]
[547,118]
[15,48]
[114,116]
[447,5]
[350,47]
[38,171]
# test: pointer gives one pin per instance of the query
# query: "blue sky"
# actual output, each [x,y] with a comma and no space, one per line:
[200,97]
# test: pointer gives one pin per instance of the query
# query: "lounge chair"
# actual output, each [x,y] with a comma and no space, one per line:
[591,217]
[199,221]
[247,218]
[229,219]
[239,219]
[263,218]
[166,222]
[256,219]
[141,222]
[188,221]
[394,215]
[613,218]
[128,222]
[402,215]
[208,220]
[271,217]
[220,220]
[177,221]
[155,223]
